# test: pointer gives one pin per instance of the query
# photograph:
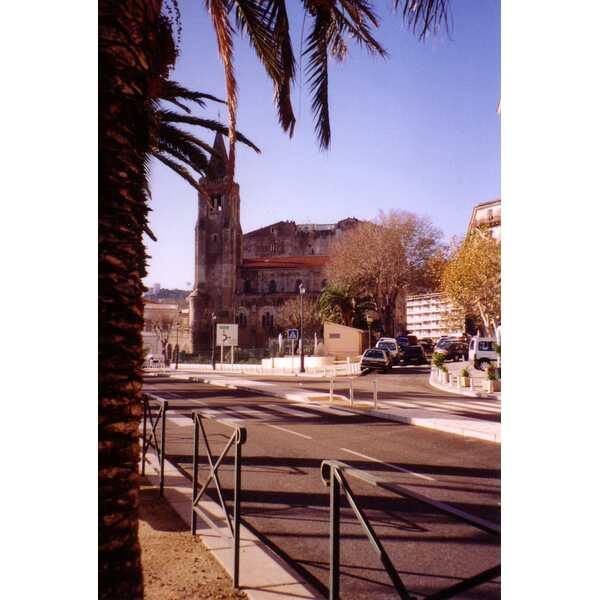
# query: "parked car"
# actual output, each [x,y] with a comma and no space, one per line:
[482,352]
[376,358]
[392,347]
[427,344]
[453,350]
[414,354]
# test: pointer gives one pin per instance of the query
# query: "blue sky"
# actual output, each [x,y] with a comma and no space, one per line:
[416,131]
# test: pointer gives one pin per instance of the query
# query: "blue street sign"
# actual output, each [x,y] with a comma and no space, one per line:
[292,334]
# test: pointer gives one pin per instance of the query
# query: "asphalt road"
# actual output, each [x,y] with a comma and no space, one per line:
[285,501]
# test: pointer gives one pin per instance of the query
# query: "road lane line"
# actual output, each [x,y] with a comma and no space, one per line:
[474,407]
[255,414]
[288,431]
[388,464]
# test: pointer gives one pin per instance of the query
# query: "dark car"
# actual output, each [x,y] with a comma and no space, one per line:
[376,358]
[453,350]
[427,344]
[414,354]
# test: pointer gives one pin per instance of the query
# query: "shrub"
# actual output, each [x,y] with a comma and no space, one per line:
[492,375]
[465,372]
[444,368]
[437,360]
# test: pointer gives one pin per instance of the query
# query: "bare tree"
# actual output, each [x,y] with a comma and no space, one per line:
[288,316]
[385,259]
[162,326]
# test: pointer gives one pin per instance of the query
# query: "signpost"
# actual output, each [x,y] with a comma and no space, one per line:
[292,335]
[227,335]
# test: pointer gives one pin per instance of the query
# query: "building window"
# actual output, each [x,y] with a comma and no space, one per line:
[324,283]
[215,238]
[216,202]
[490,214]
[242,320]
[267,320]
[272,287]
[247,286]
[298,282]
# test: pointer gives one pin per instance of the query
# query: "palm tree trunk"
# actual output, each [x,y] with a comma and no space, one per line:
[126,42]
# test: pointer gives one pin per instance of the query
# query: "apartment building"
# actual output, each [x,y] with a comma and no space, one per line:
[487,214]
[433,315]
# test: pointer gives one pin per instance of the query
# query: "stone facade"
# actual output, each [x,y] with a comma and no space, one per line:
[245,279]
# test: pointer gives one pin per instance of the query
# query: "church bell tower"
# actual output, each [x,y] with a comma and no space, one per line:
[218,245]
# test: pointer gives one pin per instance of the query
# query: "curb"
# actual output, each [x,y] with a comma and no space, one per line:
[428,423]
[468,393]
[264,575]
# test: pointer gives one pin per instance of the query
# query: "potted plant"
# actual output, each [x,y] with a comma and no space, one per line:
[492,383]
[437,361]
[465,378]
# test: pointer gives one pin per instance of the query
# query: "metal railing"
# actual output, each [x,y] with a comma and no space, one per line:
[152,439]
[237,439]
[334,473]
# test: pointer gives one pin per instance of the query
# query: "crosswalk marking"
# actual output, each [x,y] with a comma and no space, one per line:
[288,411]
[474,407]
[328,409]
[180,420]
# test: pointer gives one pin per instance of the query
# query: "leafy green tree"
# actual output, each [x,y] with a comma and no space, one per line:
[472,278]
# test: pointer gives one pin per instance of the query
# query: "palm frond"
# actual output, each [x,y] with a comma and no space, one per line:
[173,117]
[317,74]
[171,90]
[179,169]
[183,146]
[218,10]
[424,16]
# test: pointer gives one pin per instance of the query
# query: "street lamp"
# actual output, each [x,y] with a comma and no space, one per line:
[213,320]
[177,341]
[369,323]
[302,291]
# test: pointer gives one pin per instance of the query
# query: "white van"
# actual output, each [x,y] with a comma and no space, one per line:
[482,352]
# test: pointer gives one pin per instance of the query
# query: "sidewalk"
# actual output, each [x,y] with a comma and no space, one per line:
[447,422]
[454,369]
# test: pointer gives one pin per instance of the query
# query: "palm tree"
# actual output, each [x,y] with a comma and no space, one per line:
[129,68]
[342,304]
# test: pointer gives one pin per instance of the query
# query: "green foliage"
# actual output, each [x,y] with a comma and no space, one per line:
[444,368]
[465,372]
[344,305]
[437,360]
[497,348]
[492,373]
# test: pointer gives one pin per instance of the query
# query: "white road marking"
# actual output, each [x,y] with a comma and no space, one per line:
[429,406]
[185,421]
[288,411]
[255,414]
[328,409]
[289,431]
[401,404]
[388,464]
[474,407]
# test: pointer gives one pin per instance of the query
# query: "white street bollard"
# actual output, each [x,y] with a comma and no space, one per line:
[352,392]
[331,389]
[375,393]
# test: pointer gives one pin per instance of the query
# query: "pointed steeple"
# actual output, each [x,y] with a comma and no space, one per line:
[216,167]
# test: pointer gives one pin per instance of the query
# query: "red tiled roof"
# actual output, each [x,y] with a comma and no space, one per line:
[284,262]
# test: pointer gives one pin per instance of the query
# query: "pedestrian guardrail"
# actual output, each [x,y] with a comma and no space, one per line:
[237,439]
[334,474]
[159,418]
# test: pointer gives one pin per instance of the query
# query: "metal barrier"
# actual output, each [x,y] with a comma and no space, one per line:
[238,438]
[333,474]
[147,441]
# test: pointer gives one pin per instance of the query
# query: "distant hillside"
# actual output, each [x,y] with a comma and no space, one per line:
[166,294]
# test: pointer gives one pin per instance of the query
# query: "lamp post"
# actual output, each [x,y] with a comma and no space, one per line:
[213,320]
[302,291]
[369,323]
[177,341]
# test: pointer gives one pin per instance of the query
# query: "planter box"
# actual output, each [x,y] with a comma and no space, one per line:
[445,377]
[465,382]
[491,386]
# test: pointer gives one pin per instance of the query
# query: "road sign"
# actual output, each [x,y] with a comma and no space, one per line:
[227,334]
[292,334]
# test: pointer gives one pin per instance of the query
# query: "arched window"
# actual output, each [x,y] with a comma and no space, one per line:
[242,320]
[215,237]
[298,282]
[272,287]
[267,320]
[324,283]
[247,286]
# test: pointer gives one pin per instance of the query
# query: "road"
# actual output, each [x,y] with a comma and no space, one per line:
[287,505]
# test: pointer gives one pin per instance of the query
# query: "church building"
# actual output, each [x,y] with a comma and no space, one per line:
[245,278]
